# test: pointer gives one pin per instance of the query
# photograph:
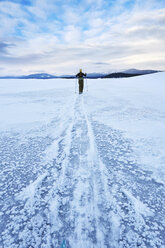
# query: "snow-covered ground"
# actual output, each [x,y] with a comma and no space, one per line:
[84,171]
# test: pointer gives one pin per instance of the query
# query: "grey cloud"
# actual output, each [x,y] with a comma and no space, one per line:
[100,63]
[161,20]
[147,32]
[118,40]
[3,47]
[150,19]
[152,64]
[59,55]
[19,60]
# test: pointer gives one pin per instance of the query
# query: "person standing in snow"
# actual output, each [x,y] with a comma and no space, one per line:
[80,77]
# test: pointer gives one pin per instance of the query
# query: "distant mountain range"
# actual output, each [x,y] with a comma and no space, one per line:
[122,74]
[32,76]
[128,73]
[141,72]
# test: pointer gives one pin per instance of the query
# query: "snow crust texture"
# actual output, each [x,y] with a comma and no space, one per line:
[74,171]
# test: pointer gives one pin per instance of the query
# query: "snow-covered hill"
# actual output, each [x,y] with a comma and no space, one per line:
[140,72]
[82,170]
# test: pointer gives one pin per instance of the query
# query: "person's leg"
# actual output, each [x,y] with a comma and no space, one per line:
[81,86]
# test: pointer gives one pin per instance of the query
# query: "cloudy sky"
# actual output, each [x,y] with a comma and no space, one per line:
[59,37]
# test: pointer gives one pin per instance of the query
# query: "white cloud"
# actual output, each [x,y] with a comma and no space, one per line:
[61,38]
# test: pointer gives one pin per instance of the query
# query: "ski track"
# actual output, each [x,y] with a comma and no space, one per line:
[91,194]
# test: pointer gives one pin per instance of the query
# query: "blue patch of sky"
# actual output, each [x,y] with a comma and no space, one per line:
[129,4]
[72,2]
[112,8]
[126,4]
[109,4]
[22,2]
[159,4]
[31,17]
[55,17]
[19,29]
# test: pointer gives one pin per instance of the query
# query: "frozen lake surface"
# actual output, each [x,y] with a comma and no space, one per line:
[83,171]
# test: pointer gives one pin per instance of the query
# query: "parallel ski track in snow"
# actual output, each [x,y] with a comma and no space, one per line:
[82,200]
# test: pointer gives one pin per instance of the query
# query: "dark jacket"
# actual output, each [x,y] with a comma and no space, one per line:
[81,74]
